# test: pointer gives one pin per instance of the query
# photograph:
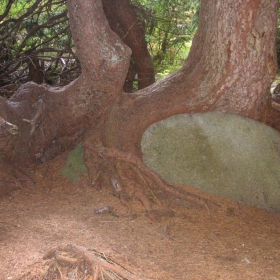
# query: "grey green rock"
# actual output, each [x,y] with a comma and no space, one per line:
[226,155]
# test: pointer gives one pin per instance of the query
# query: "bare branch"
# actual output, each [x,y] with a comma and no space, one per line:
[8,7]
[45,25]
[20,19]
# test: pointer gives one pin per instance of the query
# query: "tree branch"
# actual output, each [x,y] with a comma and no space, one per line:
[7,9]
[102,54]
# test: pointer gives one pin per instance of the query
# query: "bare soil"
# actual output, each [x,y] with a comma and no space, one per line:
[236,242]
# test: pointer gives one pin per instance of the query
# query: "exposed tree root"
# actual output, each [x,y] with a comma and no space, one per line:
[76,263]
[130,178]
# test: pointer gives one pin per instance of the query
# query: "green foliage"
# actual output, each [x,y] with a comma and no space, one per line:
[170,27]
[75,165]
[35,35]
[173,63]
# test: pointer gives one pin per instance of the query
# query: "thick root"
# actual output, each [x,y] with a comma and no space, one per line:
[130,178]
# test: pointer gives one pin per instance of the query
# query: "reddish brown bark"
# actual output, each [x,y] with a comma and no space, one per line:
[230,68]
[124,21]
[68,111]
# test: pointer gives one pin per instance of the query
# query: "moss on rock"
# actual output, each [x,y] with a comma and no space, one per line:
[75,165]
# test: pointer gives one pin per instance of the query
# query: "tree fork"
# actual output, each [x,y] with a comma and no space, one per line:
[125,22]
[230,68]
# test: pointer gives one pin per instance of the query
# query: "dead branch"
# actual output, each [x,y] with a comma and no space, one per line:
[20,19]
[97,263]
[34,121]
[6,127]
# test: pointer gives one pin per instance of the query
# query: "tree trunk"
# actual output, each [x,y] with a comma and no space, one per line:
[125,22]
[230,68]
[36,71]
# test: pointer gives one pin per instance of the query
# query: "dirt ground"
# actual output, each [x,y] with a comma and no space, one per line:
[236,242]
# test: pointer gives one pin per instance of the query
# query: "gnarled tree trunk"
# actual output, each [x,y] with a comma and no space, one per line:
[125,22]
[230,68]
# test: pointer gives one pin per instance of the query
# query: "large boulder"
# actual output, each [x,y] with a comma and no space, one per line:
[226,155]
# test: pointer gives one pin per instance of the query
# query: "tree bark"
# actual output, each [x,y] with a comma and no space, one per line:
[68,111]
[230,68]
[124,21]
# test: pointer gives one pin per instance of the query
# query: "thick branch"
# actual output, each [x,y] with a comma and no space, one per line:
[102,54]
[125,22]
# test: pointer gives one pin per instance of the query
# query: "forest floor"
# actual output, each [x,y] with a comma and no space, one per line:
[236,242]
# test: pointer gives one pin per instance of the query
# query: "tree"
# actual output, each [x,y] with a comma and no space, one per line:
[125,22]
[169,26]
[35,41]
[36,44]
[230,68]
